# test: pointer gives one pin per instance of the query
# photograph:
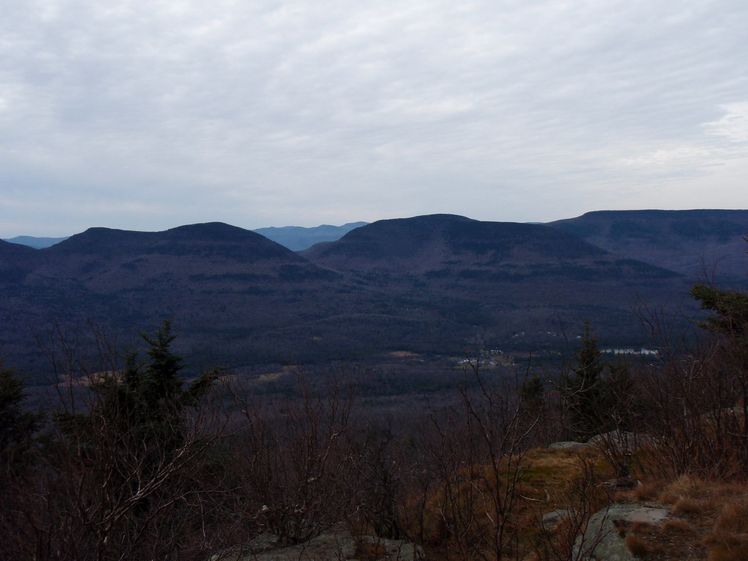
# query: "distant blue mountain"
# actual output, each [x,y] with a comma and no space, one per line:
[298,238]
[36,243]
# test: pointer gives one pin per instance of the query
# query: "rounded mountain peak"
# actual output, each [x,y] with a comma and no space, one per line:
[218,231]
[211,238]
[434,241]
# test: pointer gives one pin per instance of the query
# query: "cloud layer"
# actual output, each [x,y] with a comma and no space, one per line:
[148,115]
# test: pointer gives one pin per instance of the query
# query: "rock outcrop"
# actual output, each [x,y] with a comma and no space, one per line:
[568,445]
[602,540]
[335,545]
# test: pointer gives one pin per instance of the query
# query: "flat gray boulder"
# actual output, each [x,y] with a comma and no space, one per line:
[338,545]
[568,445]
[601,540]
[622,441]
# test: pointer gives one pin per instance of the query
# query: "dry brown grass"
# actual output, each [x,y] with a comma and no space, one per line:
[728,551]
[684,486]
[547,482]
[713,522]
[653,542]
[692,507]
[700,489]
[678,526]
[555,468]
[640,547]
[647,491]
[729,540]
[710,518]
[734,518]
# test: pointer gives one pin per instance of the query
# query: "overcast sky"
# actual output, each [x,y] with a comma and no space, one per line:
[147,115]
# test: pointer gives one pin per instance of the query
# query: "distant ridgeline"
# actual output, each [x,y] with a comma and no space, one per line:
[36,243]
[427,284]
[295,238]
[702,244]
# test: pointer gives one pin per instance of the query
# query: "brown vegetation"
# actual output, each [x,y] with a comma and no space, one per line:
[136,465]
[708,521]
[640,547]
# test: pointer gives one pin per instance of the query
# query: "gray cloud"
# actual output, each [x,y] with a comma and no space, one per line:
[258,113]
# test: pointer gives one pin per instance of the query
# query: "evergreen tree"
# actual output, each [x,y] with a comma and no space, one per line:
[730,323]
[17,426]
[583,389]
[159,384]
[149,397]
[143,403]
[730,307]
[619,400]
[532,394]
[131,454]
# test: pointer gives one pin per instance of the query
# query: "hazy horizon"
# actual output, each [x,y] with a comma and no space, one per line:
[67,235]
[290,113]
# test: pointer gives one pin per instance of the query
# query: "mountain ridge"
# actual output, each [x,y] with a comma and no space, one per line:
[180,240]
[436,243]
[425,284]
[295,238]
[705,244]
